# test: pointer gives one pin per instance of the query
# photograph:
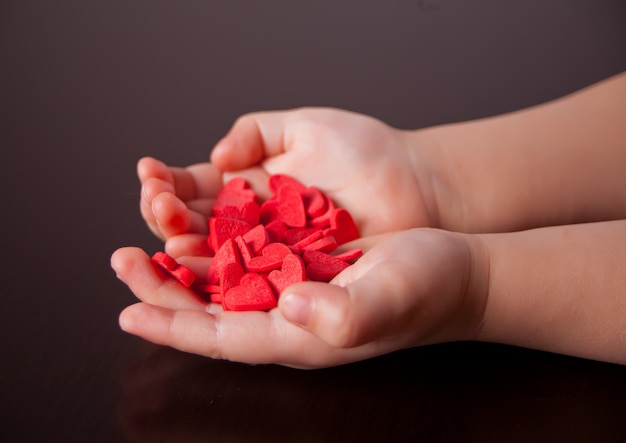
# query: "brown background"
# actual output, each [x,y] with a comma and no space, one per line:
[88,87]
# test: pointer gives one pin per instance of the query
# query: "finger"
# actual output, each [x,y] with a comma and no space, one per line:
[188,244]
[364,243]
[249,337]
[173,217]
[198,181]
[150,188]
[198,265]
[134,267]
[149,167]
[203,206]
[201,180]
[195,331]
[252,138]
[196,186]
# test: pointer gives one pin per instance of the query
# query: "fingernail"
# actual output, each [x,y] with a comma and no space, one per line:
[296,308]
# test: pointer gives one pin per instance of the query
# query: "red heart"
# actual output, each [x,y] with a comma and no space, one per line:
[350,255]
[222,229]
[292,271]
[315,234]
[301,237]
[207,293]
[228,253]
[234,193]
[272,258]
[277,180]
[257,238]
[230,277]
[321,266]
[183,274]
[166,262]
[323,220]
[315,202]
[215,297]
[244,250]
[342,227]
[324,244]
[249,212]
[275,230]
[286,206]
[253,294]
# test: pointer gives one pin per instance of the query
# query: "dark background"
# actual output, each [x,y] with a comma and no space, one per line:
[88,87]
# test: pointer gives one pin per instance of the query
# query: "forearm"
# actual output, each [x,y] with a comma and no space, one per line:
[560,289]
[557,163]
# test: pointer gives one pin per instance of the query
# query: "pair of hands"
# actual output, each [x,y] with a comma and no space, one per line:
[412,286]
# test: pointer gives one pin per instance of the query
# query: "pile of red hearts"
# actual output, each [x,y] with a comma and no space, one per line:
[261,248]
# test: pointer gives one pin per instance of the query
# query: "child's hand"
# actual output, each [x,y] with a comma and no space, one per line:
[421,286]
[364,165]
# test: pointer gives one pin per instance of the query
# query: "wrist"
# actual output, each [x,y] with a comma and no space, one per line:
[457,276]
[434,171]
[475,294]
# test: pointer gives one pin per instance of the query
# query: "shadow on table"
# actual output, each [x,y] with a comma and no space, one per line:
[456,392]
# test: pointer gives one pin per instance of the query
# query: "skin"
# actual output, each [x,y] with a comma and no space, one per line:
[505,229]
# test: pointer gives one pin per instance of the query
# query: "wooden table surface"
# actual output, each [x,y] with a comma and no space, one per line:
[88,87]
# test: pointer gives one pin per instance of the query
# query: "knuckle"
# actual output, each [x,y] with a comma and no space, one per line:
[345,332]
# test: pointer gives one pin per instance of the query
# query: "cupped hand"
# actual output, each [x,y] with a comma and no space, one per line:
[362,164]
[417,287]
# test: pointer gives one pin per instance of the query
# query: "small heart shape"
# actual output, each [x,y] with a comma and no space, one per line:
[249,212]
[230,277]
[349,255]
[277,180]
[299,238]
[184,275]
[252,294]
[324,244]
[222,229]
[244,250]
[276,230]
[342,227]
[235,193]
[292,271]
[321,266]
[257,238]
[166,262]
[315,202]
[286,206]
[323,221]
[171,267]
[228,253]
[315,234]
[272,258]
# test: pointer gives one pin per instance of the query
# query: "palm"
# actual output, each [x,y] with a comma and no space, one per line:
[361,163]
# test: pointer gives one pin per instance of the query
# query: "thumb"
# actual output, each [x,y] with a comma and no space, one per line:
[252,138]
[410,289]
[361,312]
